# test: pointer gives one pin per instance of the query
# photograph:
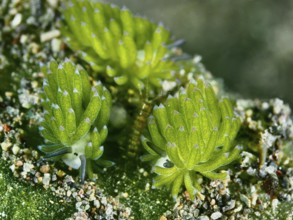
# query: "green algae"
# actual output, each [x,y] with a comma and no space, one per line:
[22,201]
[134,189]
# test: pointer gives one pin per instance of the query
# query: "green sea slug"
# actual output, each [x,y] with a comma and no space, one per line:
[75,117]
[126,49]
[191,135]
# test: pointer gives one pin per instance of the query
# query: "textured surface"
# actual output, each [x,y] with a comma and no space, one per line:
[260,181]
[21,201]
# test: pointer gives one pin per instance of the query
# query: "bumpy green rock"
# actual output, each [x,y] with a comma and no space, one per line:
[190,135]
[75,117]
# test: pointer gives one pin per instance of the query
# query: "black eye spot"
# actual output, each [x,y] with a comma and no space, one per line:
[168,164]
[219,148]
[75,154]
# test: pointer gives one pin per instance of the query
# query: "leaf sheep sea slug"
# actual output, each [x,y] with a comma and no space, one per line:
[128,49]
[75,117]
[191,134]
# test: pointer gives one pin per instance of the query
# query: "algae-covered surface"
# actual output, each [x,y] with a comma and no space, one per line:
[260,183]
[20,200]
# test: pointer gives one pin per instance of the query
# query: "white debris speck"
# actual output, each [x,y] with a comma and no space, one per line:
[254,197]
[278,105]
[8,95]
[68,193]
[109,210]
[125,194]
[271,169]
[12,167]
[56,45]
[97,203]
[128,211]
[23,38]
[15,149]
[231,205]
[34,84]
[27,99]
[6,145]
[251,171]
[78,205]
[53,3]
[246,200]
[291,131]
[27,167]
[267,139]
[104,200]
[16,20]
[3,214]
[197,59]
[147,187]
[275,203]
[247,159]
[12,111]
[46,179]
[265,106]
[257,214]
[216,215]
[49,35]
